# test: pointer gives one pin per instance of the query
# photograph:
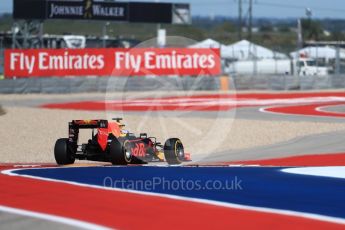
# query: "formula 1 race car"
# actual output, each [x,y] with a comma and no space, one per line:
[112,143]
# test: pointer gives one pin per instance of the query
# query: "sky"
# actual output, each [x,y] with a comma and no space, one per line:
[261,8]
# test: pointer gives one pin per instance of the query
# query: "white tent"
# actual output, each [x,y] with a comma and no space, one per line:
[210,43]
[245,50]
[318,52]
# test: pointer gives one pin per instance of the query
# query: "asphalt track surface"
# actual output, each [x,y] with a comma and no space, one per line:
[15,221]
[324,143]
[270,188]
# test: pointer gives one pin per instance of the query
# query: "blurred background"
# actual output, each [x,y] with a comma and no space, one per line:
[265,44]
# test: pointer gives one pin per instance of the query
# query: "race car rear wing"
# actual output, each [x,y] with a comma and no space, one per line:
[75,125]
[88,124]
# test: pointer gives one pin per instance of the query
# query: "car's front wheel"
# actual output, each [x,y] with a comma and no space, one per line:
[63,154]
[174,151]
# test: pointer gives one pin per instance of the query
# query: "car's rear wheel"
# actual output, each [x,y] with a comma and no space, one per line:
[118,154]
[63,154]
[174,151]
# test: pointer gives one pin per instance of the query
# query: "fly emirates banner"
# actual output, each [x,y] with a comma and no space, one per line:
[112,62]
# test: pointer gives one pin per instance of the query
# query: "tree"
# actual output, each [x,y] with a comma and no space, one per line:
[283,29]
[312,30]
[266,28]
[225,27]
[337,36]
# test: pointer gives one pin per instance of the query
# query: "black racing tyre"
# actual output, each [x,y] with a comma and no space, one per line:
[174,151]
[63,154]
[118,154]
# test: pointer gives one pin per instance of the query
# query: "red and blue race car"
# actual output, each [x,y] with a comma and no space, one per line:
[110,142]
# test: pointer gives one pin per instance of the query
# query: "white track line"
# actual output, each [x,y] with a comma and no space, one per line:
[264,110]
[224,101]
[58,219]
[11,172]
[324,171]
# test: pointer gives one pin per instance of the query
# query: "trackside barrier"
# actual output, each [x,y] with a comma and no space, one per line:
[101,84]
[288,82]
